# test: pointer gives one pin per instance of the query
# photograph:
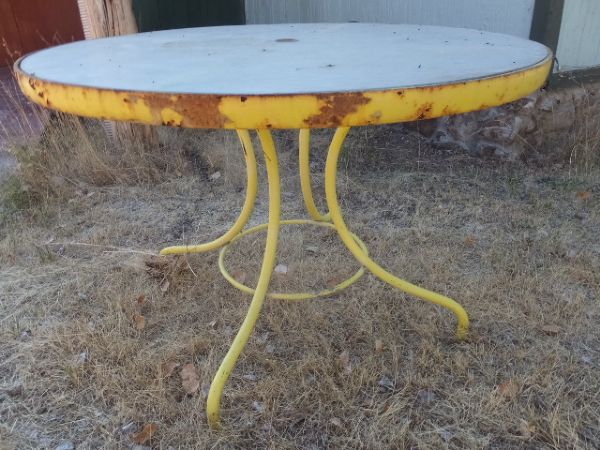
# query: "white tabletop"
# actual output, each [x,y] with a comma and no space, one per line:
[285,59]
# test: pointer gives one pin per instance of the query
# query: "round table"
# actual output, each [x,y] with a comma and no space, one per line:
[298,76]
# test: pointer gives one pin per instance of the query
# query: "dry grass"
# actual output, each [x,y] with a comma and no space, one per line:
[74,151]
[584,142]
[517,246]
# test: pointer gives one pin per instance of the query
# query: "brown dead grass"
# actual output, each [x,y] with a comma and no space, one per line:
[72,152]
[584,142]
[517,247]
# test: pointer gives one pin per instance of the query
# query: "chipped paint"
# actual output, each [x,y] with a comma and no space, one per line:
[285,111]
[335,107]
[171,117]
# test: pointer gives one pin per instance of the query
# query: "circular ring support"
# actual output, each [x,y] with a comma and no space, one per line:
[293,296]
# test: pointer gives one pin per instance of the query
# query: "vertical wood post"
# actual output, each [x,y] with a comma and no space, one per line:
[103,18]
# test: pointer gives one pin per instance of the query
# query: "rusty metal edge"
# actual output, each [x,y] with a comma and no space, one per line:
[204,108]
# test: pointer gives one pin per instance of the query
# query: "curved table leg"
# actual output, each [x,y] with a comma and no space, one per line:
[251,188]
[363,258]
[305,182]
[213,404]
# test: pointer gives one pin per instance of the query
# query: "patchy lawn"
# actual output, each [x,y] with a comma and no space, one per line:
[95,331]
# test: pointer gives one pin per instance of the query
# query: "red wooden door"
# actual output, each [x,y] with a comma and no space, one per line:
[28,25]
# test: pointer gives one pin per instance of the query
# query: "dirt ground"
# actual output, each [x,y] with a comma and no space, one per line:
[95,331]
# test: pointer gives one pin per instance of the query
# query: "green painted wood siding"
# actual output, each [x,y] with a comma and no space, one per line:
[154,15]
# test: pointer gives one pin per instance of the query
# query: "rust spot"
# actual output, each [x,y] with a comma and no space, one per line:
[198,111]
[286,40]
[243,98]
[448,111]
[336,108]
[424,111]
[401,93]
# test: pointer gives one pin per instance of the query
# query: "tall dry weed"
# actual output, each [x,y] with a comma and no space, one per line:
[584,142]
[57,151]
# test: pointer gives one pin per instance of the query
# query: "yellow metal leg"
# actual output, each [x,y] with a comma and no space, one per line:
[251,188]
[363,258]
[213,404]
[305,182]
[292,296]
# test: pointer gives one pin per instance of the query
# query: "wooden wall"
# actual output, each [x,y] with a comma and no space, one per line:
[28,25]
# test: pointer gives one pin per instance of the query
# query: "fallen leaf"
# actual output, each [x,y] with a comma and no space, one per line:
[312,249]
[215,176]
[336,422]
[259,407]
[190,380]
[162,267]
[584,196]
[344,361]
[386,383]
[139,322]
[281,269]
[205,390]
[250,377]
[158,265]
[446,435]
[167,368]
[552,330]
[25,334]
[378,346]
[263,337]
[508,389]
[526,429]
[143,436]
[425,396]
[81,358]
[240,276]
[470,240]
[129,426]
[141,299]
[334,281]
[15,391]
[164,286]
[65,445]
[571,253]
